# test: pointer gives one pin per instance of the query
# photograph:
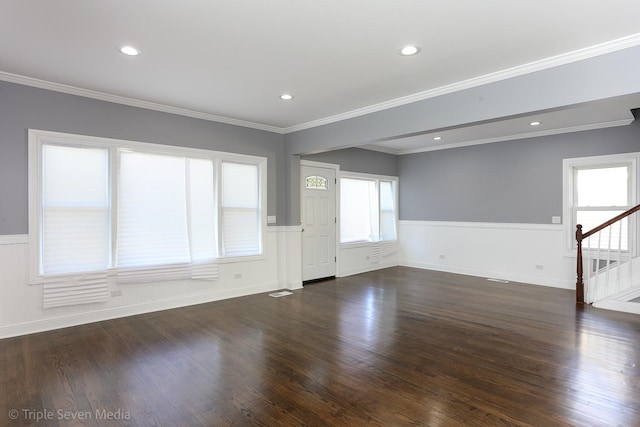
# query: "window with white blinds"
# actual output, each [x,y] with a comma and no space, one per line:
[358,210]
[75,209]
[387,210]
[368,208]
[142,210]
[240,209]
[152,226]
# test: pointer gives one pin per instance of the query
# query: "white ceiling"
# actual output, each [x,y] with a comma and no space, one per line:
[230,60]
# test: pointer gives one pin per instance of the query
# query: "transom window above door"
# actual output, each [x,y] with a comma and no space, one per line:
[315,182]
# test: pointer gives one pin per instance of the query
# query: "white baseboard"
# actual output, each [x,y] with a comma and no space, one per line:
[624,306]
[365,269]
[98,315]
[292,285]
[531,280]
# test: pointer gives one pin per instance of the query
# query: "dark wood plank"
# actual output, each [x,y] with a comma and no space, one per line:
[399,346]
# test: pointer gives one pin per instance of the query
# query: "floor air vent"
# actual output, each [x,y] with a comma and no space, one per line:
[280,294]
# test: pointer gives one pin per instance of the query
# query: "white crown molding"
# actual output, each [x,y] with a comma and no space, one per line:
[386,150]
[543,64]
[132,102]
[554,61]
[549,132]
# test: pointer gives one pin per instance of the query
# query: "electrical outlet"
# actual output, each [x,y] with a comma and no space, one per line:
[441,256]
[237,276]
[556,220]
[117,293]
[539,267]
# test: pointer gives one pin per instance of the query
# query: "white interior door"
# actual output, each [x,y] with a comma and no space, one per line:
[318,213]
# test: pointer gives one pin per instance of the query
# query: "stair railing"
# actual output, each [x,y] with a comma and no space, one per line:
[595,266]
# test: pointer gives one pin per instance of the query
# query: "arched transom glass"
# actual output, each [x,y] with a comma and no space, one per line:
[315,182]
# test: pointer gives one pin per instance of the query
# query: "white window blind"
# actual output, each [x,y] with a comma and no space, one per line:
[387,211]
[152,210]
[358,210]
[166,212]
[74,209]
[202,211]
[240,210]
[367,209]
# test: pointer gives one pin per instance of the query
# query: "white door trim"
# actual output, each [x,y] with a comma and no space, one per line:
[319,164]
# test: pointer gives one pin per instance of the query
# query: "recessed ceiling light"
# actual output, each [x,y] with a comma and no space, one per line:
[437,138]
[286,97]
[409,50]
[535,123]
[129,50]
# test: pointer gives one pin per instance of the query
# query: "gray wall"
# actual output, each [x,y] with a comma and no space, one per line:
[359,160]
[23,107]
[514,181]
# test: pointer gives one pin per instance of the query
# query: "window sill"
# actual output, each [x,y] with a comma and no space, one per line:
[241,258]
[364,244]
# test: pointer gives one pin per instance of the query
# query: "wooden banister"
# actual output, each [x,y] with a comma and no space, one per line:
[611,221]
[580,237]
[579,270]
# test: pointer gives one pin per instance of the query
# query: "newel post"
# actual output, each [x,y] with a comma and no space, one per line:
[579,281]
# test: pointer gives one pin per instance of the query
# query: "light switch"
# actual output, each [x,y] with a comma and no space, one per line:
[556,220]
[271,219]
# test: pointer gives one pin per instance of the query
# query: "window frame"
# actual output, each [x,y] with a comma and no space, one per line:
[377,179]
[36,140]
[630,160]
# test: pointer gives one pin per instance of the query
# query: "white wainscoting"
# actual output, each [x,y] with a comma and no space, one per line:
[528,253]
[363,257]
[21,306]
[289,256]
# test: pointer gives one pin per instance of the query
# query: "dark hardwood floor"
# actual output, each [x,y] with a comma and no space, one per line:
[396,347]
